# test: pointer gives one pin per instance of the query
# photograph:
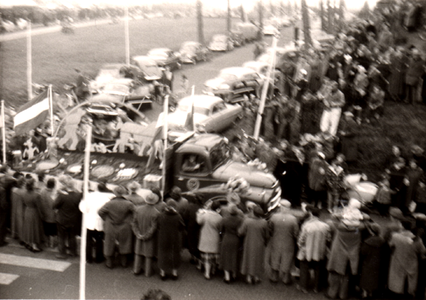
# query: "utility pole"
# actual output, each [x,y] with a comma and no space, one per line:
[260,20]
[342,7]
[228,23]
[200,22]
[306,25]
[329,18]
[322,15]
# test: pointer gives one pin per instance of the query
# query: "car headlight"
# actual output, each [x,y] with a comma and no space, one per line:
[224,86]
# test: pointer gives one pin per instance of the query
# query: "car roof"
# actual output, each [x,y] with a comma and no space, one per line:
[143,58]
[160,49]
[203,101]
[190,43]
[112,66]
[237,70]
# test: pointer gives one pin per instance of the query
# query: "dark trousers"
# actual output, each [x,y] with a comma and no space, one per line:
[67,233]
[338,285]
[319,274]
[95,239]
[3,227]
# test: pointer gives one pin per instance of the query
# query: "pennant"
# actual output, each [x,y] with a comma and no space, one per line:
[31,114]
[189,123]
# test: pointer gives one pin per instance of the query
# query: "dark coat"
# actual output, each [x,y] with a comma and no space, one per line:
[67,205]
[118,216]
[349,146]
[32,231]
[170,227]
[145,229]
[230,242]
[192,228]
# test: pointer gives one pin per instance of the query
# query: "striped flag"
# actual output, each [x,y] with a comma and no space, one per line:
[189,123]
[32,114]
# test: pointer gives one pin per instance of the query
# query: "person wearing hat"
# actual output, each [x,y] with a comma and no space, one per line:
[312,243]
[284,229]
[374,257]
[133,195]
[256,235]
[182,203]
[118,217]
[144,227]
[347,137]
[68,216]
[94,224]
[317,185]
[233,201]
[170,227]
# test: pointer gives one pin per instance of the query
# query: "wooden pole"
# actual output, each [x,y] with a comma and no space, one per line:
[83,235]
[228,20]
[265,90]
[29,64]
[3,126]
[50,99]
[165,129]
[200,25]
[306,25]
[126,34]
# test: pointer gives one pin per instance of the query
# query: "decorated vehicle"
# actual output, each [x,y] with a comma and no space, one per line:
[211,114]
[165,57]
[149,68]
[112,71]
[233,83]
[221,42]
[193,52]
[282,55]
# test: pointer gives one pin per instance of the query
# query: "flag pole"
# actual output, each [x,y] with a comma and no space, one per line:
[165,129]
[3,126]
[50,97]
[126,35]
[83,235]
[29,63]
[265,90]
[192,103]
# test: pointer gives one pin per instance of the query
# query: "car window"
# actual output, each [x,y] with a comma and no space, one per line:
[192,163]
[218,107]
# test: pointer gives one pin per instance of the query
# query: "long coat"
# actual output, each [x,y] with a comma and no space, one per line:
[170,227]
[345,250]
[32,231]
[404,261]
[230,242]
[374,255]
[17,220]
[209,233]
[284,229]
[118,216]
[145,229]
[192,228]
[256,235]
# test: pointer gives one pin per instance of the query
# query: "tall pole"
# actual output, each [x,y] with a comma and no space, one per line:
[228,20]
[126,34]
[3,131]
[50,99]
[200,25]
[321,4]
[83,235]
[265,90]
[261,18]
[29,64]
[164,134]
[306,25]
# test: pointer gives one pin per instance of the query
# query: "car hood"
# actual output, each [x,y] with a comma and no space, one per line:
[158,58]
[101,81]
[251,174]
[214,83]
[177,119]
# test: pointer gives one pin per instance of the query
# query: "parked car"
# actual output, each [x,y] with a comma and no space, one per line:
[165,57]
[221,42]
[149,68]
[211,115]
[112,71]
[129,91]
[282,55]
[233,83]
[270,30]
[193,52]
[262,69]
[237,38]
[249,30]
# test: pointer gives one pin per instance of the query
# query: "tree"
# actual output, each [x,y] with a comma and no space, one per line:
[306,25]
[323,26]
[228,20]
[364,13]
[200,22]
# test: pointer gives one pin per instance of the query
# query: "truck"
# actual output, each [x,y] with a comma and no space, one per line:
[134,152]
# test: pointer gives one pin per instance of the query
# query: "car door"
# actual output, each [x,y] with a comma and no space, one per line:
[219,119]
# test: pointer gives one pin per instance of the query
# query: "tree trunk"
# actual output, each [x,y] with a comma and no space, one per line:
[260,20]
[323,27]
[306,25]
[200,22]
[329,18]
[342,15]
[228,23]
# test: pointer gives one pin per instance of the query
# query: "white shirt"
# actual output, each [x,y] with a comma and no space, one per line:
[90,206]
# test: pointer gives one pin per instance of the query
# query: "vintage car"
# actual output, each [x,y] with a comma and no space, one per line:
[270,30]
[233,83]
[149,68]
[112,71]
[282,55]
[193,52]
[262,69]
[165,57]
[211,115]
[237,38]
[130,91]
[221,42]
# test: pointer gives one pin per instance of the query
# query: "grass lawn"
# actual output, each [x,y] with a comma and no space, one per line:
[56,55]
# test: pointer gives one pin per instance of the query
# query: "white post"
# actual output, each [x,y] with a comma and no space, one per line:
[50,98]
[165,129]
[3,126]
[83,219]
[126,35]
[29,63]
[265,90]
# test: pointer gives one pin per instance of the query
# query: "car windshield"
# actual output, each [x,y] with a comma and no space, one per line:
[198,110]
[109,72]
[227,76]
[219,154]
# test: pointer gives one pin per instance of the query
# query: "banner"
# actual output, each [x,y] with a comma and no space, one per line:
[32,114]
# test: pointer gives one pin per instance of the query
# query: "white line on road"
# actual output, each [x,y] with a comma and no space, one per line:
[7,279]
[29,262]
